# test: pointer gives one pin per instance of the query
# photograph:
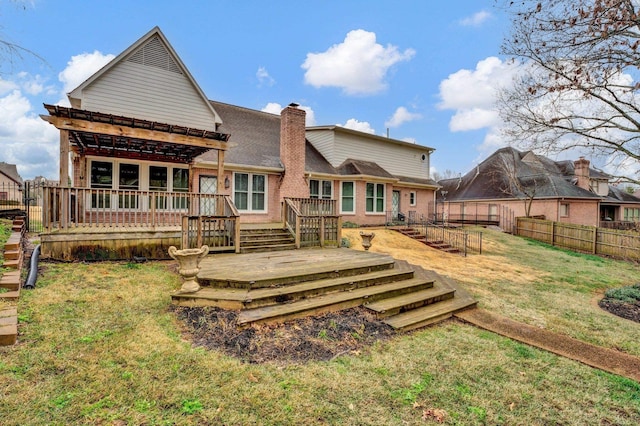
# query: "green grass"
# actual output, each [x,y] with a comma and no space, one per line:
[97,345]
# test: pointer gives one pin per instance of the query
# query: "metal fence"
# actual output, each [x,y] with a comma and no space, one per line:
[22,200]
[464,240]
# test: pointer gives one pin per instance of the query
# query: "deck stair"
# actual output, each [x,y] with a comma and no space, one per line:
[266,239]
[293,286]
[438,245]
[10,283]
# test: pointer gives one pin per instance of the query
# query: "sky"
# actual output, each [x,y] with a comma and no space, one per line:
[420,71]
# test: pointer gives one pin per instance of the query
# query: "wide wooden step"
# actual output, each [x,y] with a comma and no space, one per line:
[277,269]
[431,314]
[10,295]
[330,302]
[267,248]
[235,298]
[396,305]
[13,242]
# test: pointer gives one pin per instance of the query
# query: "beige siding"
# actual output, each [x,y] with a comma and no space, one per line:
[322,140]
[151,93]
[397,159]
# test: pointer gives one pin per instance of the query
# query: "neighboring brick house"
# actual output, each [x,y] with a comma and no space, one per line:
[142,123]
[532,185]
[10,183]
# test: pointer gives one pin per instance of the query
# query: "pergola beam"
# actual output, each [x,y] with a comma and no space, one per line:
[71,124]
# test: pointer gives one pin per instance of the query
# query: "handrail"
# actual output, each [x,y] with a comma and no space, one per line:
[312,223]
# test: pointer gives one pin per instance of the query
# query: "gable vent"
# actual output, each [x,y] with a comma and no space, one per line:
[155,54]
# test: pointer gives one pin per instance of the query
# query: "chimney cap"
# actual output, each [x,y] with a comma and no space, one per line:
[294,105]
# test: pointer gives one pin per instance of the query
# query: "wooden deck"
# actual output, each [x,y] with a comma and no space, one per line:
[278,286]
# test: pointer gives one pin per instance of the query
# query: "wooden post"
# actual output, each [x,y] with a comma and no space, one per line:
[221,187]
[64,158]
[595,240]
[322,225]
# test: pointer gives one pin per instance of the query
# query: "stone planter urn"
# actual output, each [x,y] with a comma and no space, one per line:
[189,261]
[366,239]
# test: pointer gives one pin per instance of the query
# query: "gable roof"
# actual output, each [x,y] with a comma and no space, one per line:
[156,41]
[10,171]
[509,173]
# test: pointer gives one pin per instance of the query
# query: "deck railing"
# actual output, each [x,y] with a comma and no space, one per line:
[313,222]
[69,208]
[218,233]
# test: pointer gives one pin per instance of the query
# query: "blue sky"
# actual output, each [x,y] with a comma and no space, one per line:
[424,70]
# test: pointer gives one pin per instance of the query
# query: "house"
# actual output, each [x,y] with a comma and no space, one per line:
[510,182]
[10,185]
[148,149]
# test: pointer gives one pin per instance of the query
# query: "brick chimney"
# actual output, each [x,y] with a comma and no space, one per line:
[292,152]
[581,170]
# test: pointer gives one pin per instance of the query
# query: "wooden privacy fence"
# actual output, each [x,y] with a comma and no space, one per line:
[313,222]
[462,239]
[581,238]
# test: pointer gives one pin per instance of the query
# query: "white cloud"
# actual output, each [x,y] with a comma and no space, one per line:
[81,67]
[361,126]
[27,141]
[264,79]
[401,116]
[476,19]
[7,86]
[471,94]
[276,108]
[272,108]
[358,65]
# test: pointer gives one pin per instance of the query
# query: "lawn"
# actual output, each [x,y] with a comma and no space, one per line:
[98,345]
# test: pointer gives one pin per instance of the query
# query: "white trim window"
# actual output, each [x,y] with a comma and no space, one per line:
[375,198]
[249,192]
[321,189]
[413,198]
[348,197]
[564,209]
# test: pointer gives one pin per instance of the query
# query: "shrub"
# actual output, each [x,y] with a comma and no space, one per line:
[629,294]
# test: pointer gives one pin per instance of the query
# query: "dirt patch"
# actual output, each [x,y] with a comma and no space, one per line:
[630,311]
[319,338]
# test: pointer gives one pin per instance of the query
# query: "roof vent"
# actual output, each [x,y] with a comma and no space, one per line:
[155,54]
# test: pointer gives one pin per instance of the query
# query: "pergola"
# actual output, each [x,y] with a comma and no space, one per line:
[93,133]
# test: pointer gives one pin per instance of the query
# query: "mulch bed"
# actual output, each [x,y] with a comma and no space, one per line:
[630,311]
[319,338]
[328,336]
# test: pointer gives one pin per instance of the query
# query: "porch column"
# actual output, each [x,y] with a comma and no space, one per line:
[64,179]
[64,158]
[221,189]
[220,172]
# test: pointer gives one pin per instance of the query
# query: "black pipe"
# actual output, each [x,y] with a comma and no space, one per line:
[33,269]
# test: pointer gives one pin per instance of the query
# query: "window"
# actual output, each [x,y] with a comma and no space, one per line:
[128,180]
[564,210]
[375,198]
[158,182]
[412,198]
[322,189]
[348,198]
[101,179]
[631,214]
[249,191]
[180,184]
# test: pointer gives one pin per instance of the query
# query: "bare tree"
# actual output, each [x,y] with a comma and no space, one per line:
[580,80]
[447,174]
[518,179]
[11,52]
